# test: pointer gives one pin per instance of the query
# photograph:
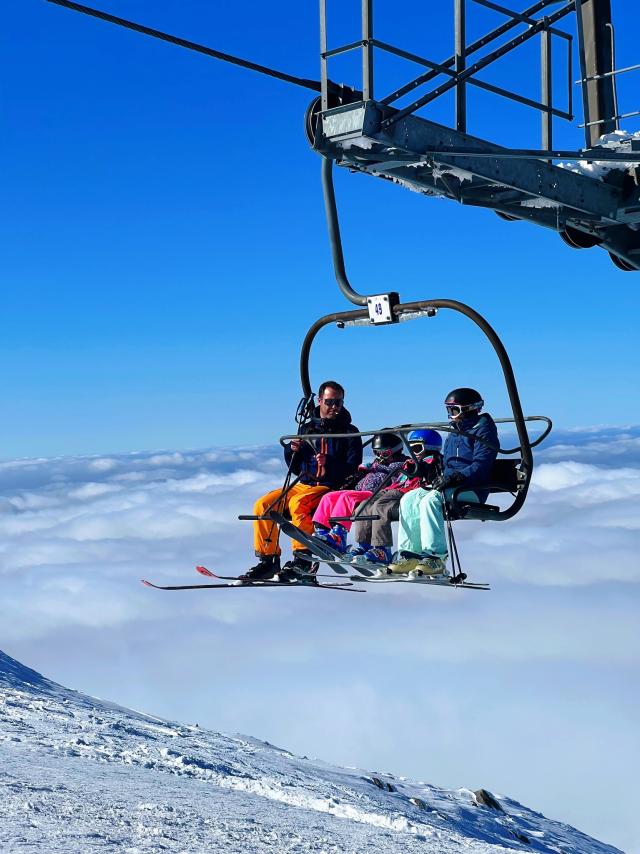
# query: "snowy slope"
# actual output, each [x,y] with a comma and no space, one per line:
[81,774]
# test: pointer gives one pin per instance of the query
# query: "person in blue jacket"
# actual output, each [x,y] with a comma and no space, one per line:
[468,457]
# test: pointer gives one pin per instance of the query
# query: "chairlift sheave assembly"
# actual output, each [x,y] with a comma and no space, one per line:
[367,131]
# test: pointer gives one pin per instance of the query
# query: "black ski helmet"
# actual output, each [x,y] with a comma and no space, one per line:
[386,444]
[463,400]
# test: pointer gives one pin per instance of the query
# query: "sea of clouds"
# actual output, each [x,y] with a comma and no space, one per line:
[76,529]
[538,672]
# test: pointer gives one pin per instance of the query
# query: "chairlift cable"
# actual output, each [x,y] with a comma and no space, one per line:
[189,45]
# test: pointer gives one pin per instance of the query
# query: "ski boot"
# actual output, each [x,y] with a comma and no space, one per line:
[430,564]
[298,570]
[264,570]
[379,556]
[357,550]
[403,563]
[336,537]
[417,565]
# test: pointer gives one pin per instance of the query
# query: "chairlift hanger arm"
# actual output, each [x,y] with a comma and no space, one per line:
[340,318]
[429,308]
[198,48]
[335,240]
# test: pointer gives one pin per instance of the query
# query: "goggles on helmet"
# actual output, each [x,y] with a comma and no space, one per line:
[454,410]
[384,453]
[419,448]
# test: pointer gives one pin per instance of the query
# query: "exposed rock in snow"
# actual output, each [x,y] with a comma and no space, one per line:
[80,774]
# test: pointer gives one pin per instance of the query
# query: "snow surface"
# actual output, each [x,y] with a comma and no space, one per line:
[81,774]
[617,140]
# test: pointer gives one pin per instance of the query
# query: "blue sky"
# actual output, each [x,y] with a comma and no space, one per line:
[165,247]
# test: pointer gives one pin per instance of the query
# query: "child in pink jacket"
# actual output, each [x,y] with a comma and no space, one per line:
[387,464]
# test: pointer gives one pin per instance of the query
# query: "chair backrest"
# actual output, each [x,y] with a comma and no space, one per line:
[504,476]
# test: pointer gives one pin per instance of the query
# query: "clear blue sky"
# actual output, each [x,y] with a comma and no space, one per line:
[163,252]
[164,247]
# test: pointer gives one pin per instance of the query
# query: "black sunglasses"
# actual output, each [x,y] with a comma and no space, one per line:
[333,401]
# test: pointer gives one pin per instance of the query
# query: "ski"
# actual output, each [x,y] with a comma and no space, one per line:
[204,571]
[425,580]
[435,581]
[364,570]
[209,574]
[347,586]
[323,551]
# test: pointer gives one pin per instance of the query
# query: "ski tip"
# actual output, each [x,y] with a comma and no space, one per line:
[146,583]
[204,571]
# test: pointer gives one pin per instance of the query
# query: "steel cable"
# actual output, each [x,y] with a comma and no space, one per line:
[189,45]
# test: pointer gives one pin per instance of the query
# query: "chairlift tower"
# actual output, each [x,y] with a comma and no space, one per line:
[365,130]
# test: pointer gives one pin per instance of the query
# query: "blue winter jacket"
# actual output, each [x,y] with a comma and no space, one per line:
[343,455]
[471,458]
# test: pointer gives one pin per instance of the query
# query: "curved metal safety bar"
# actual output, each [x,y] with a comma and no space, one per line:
[429,308]
[441,426]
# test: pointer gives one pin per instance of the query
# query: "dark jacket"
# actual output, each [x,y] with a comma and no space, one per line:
[343,455]
[469,457]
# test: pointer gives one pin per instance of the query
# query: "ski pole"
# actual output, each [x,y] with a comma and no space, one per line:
[321,466]
[302,417]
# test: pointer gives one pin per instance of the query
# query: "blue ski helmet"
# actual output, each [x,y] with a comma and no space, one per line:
[429,439]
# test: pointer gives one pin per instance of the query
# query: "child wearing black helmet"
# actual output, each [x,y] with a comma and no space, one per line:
[374,537]
[388,458]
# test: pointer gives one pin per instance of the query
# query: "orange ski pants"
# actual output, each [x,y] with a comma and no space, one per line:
[300,502]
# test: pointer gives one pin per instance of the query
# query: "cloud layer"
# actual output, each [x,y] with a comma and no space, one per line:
[531,669]
[76,533]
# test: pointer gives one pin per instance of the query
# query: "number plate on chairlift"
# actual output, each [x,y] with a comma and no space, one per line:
[380,309]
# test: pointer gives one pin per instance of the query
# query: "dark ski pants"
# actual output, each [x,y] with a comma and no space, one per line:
[378,533]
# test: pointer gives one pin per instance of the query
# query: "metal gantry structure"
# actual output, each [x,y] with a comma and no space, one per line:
[365,130]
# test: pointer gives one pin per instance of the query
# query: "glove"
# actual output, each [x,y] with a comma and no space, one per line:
[444,481]
[411,468]
[419,469]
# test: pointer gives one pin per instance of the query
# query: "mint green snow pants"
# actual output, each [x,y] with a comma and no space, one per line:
[422,528]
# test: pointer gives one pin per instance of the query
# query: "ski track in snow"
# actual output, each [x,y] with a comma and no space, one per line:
[81,774]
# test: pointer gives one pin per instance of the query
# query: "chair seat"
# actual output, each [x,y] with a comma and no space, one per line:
[504,478]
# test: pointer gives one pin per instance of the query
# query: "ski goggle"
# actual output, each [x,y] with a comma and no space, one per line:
[420,448]
[454,409]
[385,453]
[333,401]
